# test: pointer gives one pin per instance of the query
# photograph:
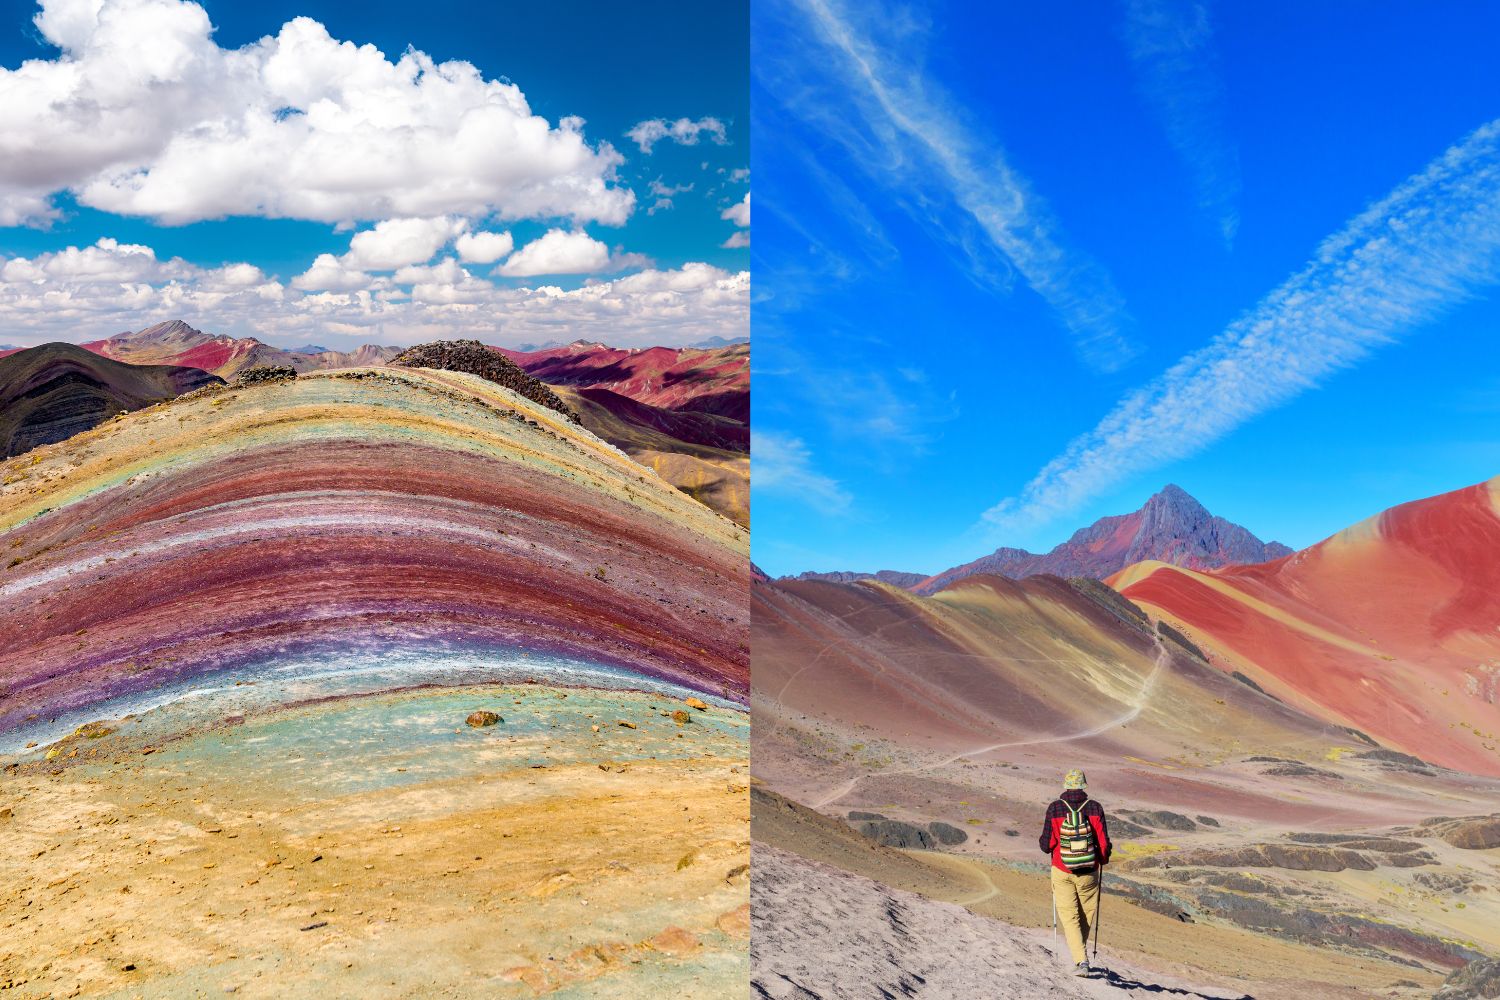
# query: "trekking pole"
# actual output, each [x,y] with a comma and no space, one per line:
[1098,905]
[1054,922]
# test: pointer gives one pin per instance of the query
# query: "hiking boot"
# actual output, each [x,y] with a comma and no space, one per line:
[1082,969]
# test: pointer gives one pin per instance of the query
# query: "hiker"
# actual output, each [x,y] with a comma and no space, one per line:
[1075,835]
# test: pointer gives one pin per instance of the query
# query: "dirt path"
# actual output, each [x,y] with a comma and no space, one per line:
[1141,700]
[839,935]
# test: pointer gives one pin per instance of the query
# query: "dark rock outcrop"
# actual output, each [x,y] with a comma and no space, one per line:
[1121,827]
[1160,819]
[1478,833]
[264,374]
[1479,980]
[1394,760]
[1251,684]
[1446,882]
[1168,632]
[473,358]
[947,833]
[895,833]
[1293,857]
[1296,770]
[1103,594]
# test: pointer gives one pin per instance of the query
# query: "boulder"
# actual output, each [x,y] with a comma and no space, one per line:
[947,833]
[1160,819]
[895,833]
[483,718]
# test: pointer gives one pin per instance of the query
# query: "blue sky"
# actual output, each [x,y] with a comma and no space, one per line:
[1016,268]
[213,150]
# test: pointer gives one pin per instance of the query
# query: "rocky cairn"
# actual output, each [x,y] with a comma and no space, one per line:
[473,358]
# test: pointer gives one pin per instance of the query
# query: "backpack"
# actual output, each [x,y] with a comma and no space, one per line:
[1077,848]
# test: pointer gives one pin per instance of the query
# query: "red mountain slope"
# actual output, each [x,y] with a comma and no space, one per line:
[708,380]
[683,412]
[1391,626]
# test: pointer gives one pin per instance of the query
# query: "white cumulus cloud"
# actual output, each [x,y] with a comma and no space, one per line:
[143,114]
[557,252]
[483,248]
[685,131]
[739,212]
[80,294]
[398,242]
[330,273]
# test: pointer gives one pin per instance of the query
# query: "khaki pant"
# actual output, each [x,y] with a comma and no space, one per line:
[1074,896]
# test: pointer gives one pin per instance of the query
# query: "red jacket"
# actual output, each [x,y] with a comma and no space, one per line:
[1051,839]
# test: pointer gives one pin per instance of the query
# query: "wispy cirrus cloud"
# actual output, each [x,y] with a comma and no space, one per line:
[1428,245]
[782,464]
[861,81]
[1171,44]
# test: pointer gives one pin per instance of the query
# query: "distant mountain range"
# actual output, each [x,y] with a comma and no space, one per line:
[706,380]
[894,577]
[1170,527]
[683,412]
[51,392]
[176,343]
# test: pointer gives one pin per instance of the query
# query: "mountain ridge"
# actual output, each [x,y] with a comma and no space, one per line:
[1171,527]
[683,412]
[51,392]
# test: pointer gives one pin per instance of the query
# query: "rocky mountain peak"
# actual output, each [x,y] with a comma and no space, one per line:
[1171,526]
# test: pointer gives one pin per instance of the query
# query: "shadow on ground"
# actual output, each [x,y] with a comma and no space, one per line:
[1125,983]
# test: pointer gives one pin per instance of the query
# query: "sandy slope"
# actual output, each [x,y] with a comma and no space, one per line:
[240,637]
[966,709]
[377,846]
